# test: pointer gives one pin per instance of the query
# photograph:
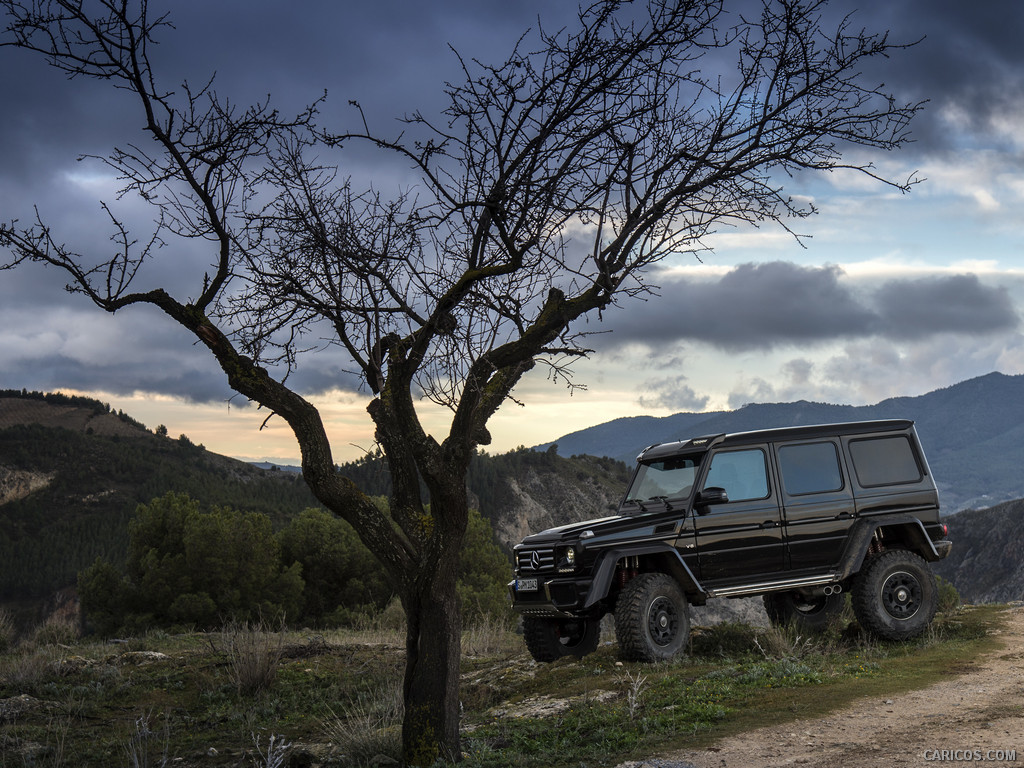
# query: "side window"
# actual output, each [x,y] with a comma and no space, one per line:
[810,468]
[884,461]
[743,474]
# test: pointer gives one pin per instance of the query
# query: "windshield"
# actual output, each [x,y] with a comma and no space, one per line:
[670,478]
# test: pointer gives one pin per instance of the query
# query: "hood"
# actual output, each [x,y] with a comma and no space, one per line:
[601,526]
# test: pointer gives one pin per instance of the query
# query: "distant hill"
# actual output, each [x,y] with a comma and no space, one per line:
[973,433]
[72,473]
[987,561]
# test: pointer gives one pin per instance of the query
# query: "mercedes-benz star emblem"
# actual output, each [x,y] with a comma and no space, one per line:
[534,561]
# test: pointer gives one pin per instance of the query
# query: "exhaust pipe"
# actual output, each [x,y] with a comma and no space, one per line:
[832,589]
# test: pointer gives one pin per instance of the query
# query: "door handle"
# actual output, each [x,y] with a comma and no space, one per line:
[769,524]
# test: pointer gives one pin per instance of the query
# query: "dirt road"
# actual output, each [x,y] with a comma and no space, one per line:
[974,718]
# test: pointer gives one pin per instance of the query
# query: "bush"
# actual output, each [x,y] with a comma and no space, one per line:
[189,567]
[949,597]
[346,586]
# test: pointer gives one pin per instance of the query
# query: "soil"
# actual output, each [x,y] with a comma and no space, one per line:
[975,717]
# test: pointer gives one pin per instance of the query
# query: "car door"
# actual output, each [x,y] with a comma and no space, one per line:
[739,539]
[817,501]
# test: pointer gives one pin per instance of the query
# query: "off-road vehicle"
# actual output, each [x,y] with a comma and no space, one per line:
[799,515]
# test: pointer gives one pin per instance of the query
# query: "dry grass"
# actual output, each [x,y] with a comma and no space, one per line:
[29,668]
[8,630]
[368,726]
[254,654]
[58,629]
[490,636]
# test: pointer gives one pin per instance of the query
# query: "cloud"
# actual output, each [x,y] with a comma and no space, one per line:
[913,309]
[672,394]
[863,372]
[392,57]
[765,306]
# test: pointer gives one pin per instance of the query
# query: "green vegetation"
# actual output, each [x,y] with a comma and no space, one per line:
[187,567]
[95,482]
[336,693]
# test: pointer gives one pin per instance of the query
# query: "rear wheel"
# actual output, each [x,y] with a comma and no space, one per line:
[551,639]
[652,619]
[895,595]
[807,614]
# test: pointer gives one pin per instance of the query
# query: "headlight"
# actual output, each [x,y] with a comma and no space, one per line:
[568,560]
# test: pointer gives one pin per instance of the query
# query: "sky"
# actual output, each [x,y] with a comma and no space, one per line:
[890,294]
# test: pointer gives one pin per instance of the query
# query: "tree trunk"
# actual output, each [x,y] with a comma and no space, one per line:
[434,636]
[433,643]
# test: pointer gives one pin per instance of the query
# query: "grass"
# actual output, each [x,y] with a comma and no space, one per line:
[332,698]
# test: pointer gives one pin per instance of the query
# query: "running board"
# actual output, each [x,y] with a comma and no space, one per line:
[773,586]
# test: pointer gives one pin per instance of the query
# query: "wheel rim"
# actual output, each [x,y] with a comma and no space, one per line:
[662,621]
[901,595]
[571,634]
[810,607]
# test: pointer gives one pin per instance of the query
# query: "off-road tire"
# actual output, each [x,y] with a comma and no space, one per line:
[895,596]
[551,639]
[652,619]
[806,614]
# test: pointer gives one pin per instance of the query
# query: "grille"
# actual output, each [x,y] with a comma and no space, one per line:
[536,561]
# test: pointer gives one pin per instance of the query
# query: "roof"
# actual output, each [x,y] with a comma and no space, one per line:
[809,431]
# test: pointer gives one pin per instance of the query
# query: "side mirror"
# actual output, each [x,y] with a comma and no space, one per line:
[709,496]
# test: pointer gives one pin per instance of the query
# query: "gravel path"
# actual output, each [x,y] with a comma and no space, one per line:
[976,717]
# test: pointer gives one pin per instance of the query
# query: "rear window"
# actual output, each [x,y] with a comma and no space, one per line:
[885,461]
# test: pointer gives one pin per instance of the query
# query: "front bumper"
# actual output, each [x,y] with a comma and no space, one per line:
[554,597]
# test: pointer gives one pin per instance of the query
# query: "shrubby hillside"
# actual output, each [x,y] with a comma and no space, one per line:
[73,473]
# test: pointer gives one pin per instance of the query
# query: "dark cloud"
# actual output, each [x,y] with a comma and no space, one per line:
[969,57]
[763,306]
[156,374]
[392,56]
[751,306]
[913,309]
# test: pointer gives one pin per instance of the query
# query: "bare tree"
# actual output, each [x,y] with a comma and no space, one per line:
[548,188]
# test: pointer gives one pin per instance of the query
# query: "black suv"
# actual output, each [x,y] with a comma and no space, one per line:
[798,515]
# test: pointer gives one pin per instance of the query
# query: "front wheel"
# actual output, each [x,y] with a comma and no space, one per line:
[652,619]
[551,639]
[895,595]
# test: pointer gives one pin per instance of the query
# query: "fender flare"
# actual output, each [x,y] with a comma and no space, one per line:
[677,568]
[859,540]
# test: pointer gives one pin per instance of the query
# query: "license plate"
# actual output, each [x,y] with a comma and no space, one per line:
[526,585]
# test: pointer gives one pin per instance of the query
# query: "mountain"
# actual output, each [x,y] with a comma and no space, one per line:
[987,561]
[973,433]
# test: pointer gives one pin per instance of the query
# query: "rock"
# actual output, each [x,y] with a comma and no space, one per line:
[15,706]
